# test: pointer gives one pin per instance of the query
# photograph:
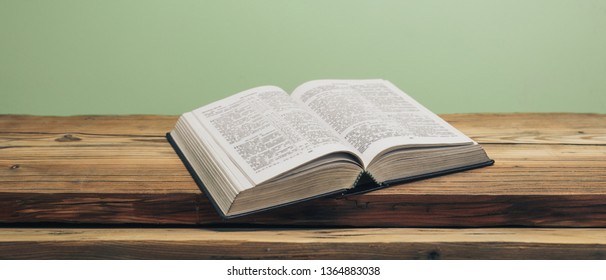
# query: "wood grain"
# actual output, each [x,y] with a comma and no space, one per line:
[375,243]
[532,128]
[550,171]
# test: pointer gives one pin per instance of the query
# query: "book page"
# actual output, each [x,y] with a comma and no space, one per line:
[374,115]
[266,133]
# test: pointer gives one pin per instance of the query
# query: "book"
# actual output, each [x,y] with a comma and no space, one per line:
[263,148]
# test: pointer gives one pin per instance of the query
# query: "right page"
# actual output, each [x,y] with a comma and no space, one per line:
[375,116]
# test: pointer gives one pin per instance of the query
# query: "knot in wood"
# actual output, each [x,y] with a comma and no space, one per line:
[15,166]
[67,138]
[433,255]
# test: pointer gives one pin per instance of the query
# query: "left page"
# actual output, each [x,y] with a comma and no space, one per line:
[266,133]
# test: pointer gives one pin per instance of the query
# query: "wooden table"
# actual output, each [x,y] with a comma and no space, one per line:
[112,187]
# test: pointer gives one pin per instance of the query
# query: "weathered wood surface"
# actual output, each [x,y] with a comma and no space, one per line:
[550,170]
[371,243]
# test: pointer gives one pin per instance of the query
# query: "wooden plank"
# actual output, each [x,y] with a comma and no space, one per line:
[550,128]
[562,169]
[371,243]
[135,125]
[535,128]
[120,169]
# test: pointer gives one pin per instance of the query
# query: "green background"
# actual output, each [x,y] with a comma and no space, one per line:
[167,57]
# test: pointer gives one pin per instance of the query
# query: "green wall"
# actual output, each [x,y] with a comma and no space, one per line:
[167,57]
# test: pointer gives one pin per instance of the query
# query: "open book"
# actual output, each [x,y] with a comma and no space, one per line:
[262,148]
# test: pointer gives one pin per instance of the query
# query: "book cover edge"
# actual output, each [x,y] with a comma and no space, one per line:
[193,174]
[368,188]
